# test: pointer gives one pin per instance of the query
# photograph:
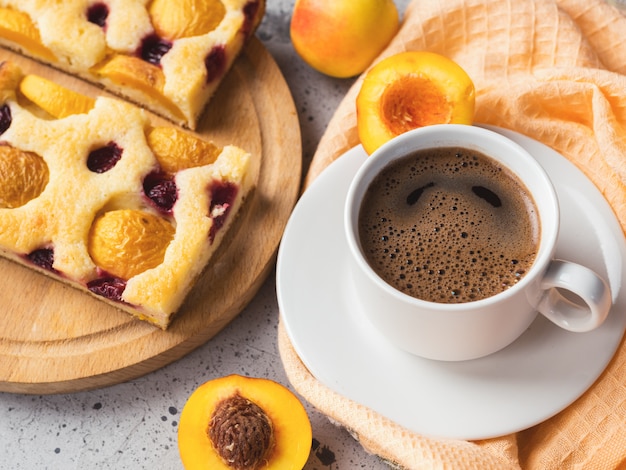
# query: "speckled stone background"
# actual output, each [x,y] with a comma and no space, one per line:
[134,425]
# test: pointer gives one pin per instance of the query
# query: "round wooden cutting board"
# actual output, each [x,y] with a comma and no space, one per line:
[56,339]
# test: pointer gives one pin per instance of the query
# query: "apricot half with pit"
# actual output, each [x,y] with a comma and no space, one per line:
[410,90]
[243,423]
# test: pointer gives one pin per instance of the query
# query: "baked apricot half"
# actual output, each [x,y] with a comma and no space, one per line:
[127,242]
[243,423]
[53,98]
[410,90]
[24,176]
[176,150]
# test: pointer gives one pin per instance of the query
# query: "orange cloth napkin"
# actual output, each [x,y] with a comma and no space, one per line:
[554,70]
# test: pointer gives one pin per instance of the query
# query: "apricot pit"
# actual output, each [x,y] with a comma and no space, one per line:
[410,90]
[243,423]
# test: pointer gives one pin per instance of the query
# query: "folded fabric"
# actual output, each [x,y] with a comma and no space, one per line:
[554,70]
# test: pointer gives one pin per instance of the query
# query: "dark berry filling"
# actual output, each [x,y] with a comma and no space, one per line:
[223,195]
[215,63]
[161,190]
[5,118]
[104,158]
[109,287]
[249,11]
[153,48]
[98,14]
[43,257]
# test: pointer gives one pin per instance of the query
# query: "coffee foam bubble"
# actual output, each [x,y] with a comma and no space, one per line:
[448,226]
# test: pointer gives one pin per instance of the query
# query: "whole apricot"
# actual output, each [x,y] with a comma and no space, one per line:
[341,38]
[410,90]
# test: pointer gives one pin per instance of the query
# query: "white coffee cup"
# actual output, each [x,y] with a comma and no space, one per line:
[461,331]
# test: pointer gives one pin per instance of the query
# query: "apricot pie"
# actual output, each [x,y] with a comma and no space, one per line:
[95,196]
[166,55]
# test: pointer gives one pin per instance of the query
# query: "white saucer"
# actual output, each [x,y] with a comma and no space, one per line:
[533,379]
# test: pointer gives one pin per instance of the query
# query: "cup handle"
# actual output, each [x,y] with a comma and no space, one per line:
[585,284]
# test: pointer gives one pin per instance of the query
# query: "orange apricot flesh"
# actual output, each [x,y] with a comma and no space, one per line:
[138,74]
[177,150]
[55,99]
[291,428]
[410,90]
[17,26]
[173,19]
[24,176]
[127,242]
[10,77]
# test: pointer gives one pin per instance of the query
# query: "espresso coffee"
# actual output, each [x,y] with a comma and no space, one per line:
[449,225]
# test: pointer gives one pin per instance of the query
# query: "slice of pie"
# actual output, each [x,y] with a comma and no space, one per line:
[166,55]
[93,195]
